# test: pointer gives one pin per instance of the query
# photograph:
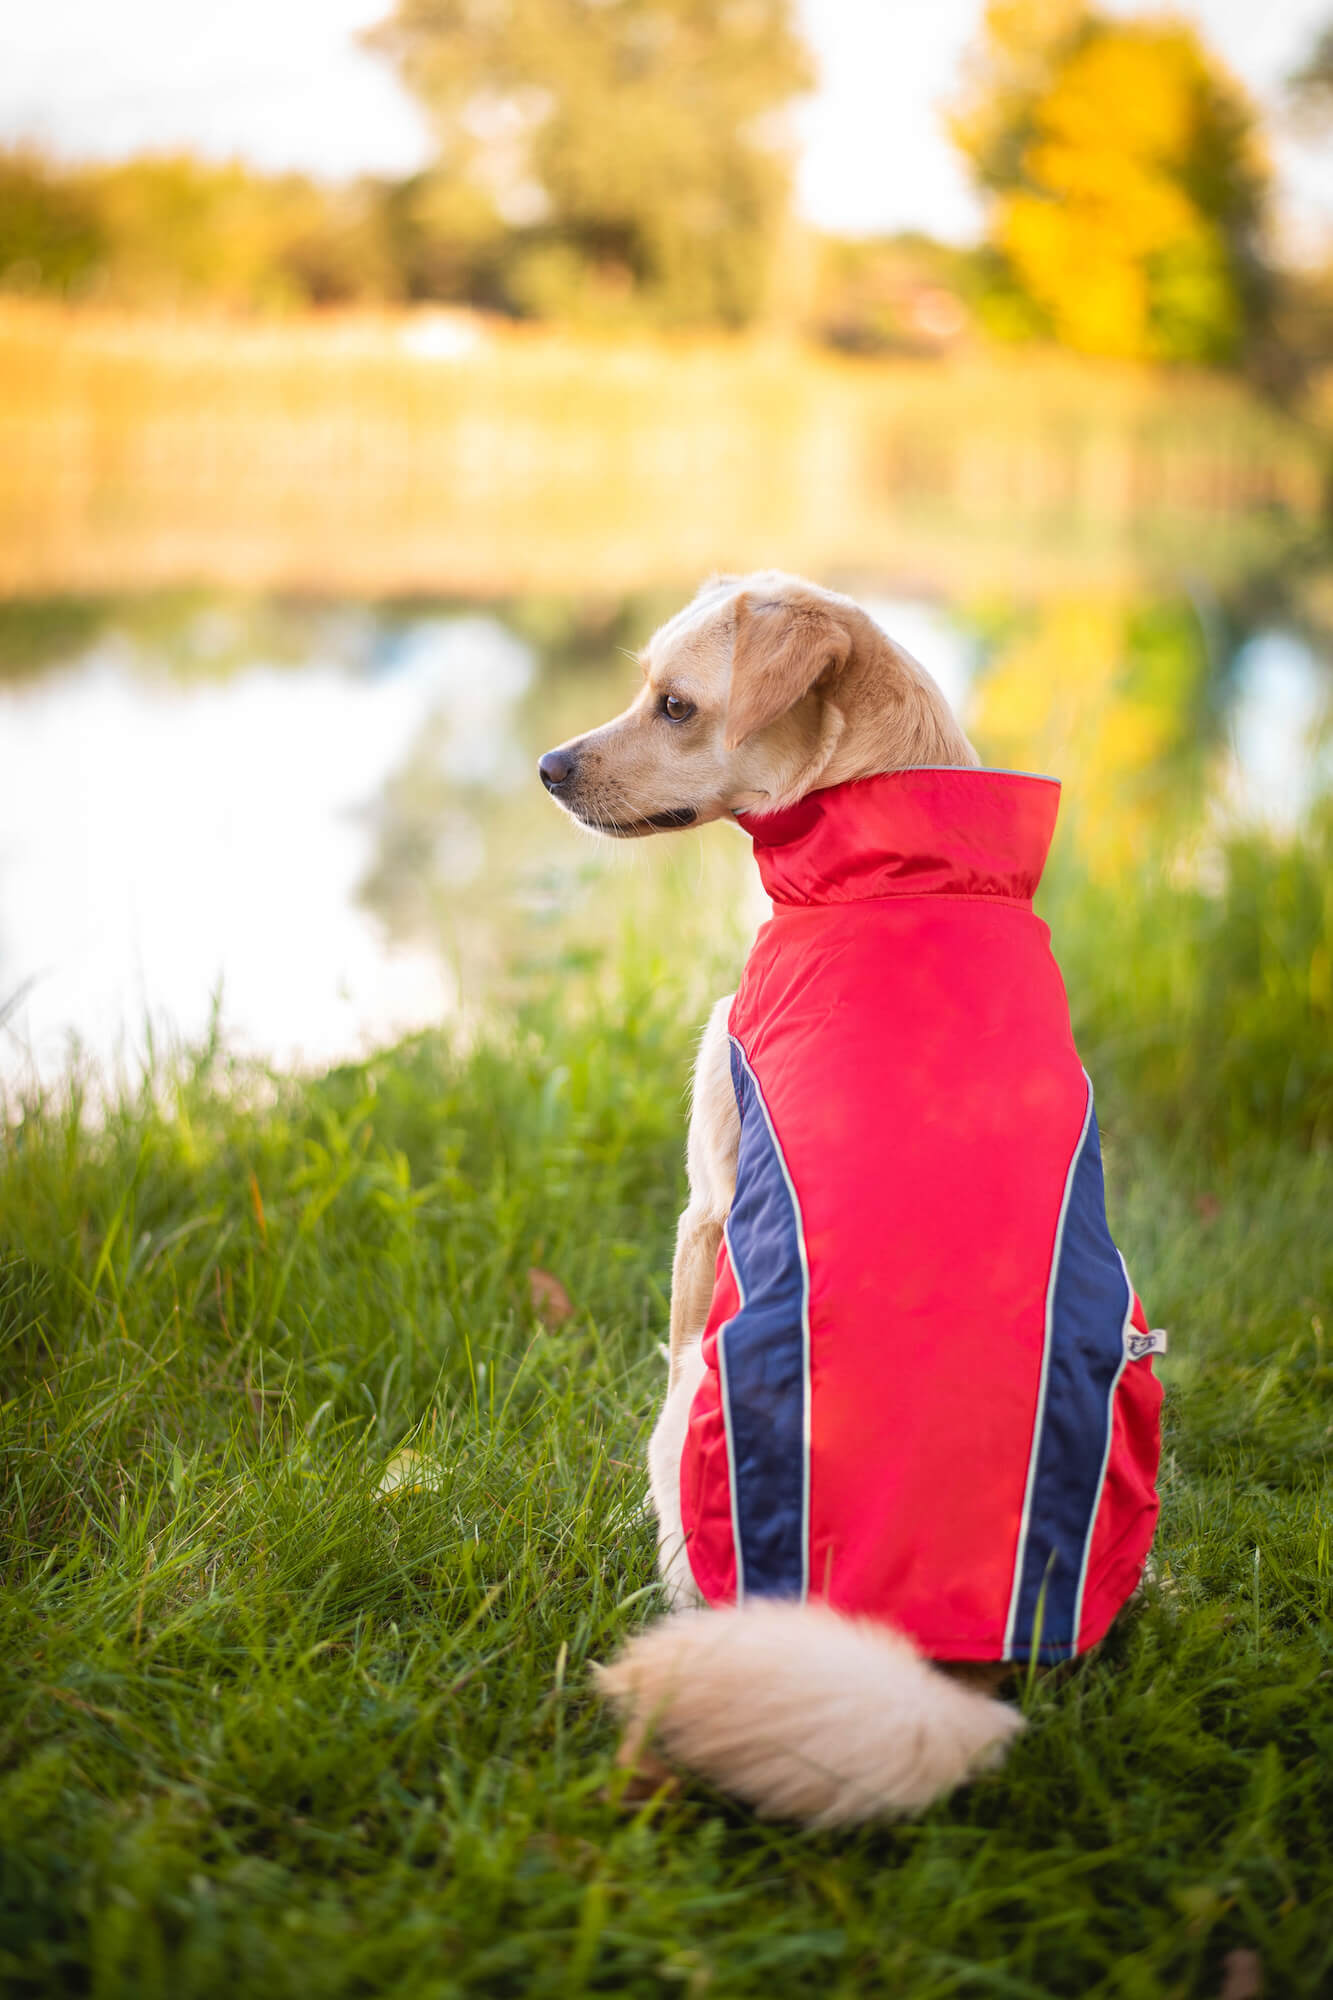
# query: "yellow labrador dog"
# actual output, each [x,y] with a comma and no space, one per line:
[764,689]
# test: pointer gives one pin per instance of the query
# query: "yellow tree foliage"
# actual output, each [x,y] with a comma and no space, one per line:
[1107,693]
[1126,181]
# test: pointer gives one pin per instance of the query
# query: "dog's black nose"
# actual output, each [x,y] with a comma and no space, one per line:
[557,768]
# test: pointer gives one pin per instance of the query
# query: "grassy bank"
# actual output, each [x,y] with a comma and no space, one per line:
[267,1730]
[381,454]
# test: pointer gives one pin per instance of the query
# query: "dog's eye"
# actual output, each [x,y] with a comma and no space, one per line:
[676,708]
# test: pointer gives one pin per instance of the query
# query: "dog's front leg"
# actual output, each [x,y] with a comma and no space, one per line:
[710,1164]
[714,1139]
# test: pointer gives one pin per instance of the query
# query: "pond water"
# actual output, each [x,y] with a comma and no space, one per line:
[319,824]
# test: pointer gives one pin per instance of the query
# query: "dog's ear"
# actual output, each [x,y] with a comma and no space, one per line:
[782,647]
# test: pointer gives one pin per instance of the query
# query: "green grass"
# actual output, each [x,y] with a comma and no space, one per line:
[266,1733]
[1203,1005]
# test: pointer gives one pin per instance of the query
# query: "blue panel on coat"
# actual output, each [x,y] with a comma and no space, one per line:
[764,1358]
[1089,1305]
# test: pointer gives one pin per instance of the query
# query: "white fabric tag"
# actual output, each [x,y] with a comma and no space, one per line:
[1138,1344]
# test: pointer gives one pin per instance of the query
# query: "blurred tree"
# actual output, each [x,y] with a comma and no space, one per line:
[607,156]
[1126,179]
[1304,321]
[903,294]
[51,235]
[443,239]
[336,245]
[164,230]
[1311,86]
[180,230]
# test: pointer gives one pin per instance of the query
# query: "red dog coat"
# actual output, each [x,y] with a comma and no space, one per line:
[928,1393]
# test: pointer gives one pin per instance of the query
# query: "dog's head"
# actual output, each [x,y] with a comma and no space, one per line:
[763,688]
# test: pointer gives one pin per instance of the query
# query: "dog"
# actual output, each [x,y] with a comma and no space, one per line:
[910,1435]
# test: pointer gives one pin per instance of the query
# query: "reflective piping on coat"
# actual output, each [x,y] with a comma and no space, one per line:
[1088,1298]
[725,1389]
[1025,1522]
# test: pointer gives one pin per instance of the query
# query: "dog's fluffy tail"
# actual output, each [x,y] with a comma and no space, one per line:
[803,1713]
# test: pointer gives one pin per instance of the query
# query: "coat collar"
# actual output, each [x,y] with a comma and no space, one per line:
[934,831]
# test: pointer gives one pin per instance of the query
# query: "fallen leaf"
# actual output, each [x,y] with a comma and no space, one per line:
[649,1777]
[648,1774]
[409,1472]
[1242,1975]
[550,1301]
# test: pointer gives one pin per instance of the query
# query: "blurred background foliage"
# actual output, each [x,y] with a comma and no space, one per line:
[630,164]
[614,159]
[346,497]
[1127,180]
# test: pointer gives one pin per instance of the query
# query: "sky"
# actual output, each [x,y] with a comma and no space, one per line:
[284,84]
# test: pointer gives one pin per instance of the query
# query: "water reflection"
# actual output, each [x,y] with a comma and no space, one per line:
[325,814]
[1281,730]
[165,839]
